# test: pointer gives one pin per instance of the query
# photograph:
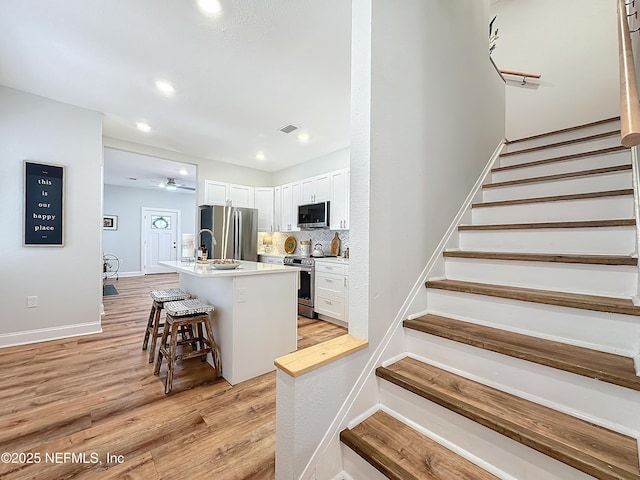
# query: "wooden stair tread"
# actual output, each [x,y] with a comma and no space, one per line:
[559,176]
[603,366]
[547,297]
[564,143]
[563,130]
[402,453]
[594,450]
[555,198]
[623,222]
[544,257]
[563,158]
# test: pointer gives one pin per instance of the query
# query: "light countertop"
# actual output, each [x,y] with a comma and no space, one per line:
[245,268]
[340,260]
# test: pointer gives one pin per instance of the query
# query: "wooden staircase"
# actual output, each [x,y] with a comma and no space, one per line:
[523,367]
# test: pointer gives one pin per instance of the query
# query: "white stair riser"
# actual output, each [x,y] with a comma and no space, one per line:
[561,137]
[566,166]
[357,467]
[601,403]
[552,152]
[605,280]
[605,241]
[587,184]
[503,454]
[600,208]
[608,332]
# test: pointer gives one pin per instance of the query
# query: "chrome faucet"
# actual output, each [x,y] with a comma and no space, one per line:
[213,238]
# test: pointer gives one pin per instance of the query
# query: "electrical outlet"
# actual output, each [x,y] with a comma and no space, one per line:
[242,295]
[32,302]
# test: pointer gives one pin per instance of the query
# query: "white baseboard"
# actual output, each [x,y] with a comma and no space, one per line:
[126,274]
[335,321]
[46,334]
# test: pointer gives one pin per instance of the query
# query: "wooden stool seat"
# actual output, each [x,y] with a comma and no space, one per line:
[191,314]
[153,331]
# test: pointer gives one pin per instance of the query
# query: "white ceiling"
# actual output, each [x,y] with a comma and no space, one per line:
[239,76]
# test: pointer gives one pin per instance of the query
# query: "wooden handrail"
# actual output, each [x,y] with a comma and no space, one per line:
[629,108]
[520,74]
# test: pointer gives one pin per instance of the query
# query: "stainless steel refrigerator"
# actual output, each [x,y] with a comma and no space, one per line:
[242,239]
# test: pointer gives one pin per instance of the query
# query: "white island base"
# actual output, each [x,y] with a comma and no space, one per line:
[256,313]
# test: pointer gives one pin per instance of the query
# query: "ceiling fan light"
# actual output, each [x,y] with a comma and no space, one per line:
[171,184]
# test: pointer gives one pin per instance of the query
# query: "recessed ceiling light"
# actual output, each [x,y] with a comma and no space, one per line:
[182,171]
[161,185]
[260,156]
[165,87]
[303,137]
[210,7]
[143,127]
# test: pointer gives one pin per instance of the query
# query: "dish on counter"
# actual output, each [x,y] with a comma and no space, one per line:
[290,245]
[225,264]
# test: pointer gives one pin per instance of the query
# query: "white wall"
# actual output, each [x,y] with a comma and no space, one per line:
[66,280]
[127,203]
[317,166]
[427,113]
[573,45]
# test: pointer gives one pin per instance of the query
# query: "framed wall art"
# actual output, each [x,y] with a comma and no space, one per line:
[43,204]
[110,222]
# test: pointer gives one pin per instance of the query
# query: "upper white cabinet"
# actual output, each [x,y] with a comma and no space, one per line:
[278,206]
[212,193]
[290,202]
[241,196]
[315,189]
[339,214]
[277,209]
[264,202]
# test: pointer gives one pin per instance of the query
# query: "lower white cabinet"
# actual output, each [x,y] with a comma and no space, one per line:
[332,289]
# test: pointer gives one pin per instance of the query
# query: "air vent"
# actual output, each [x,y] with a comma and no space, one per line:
[288,128]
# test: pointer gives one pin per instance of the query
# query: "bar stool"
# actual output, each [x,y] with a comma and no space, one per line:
[159,298]
[191,313]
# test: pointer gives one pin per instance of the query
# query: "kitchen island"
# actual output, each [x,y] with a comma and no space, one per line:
[256,313]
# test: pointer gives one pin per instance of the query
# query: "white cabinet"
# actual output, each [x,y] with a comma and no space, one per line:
[339,200]
[241,196]
[212,193]
[332,290]
[315,189]
[264,204]
[277,209]
[290,202]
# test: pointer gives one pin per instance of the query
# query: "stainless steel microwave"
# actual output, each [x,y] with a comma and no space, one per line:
[313,215]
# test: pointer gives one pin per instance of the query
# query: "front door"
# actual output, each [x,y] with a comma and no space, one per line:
[160,238]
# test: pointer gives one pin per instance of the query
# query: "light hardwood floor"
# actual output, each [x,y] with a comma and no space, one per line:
[96,396]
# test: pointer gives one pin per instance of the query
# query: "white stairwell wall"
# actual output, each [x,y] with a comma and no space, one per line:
[573,45]
[428,111]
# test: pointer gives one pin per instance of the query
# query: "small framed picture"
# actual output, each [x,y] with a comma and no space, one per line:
[110,222]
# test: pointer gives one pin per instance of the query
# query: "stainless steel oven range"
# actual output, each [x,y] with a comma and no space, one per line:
[307,284]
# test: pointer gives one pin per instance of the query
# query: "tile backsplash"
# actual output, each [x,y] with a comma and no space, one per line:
[321,236]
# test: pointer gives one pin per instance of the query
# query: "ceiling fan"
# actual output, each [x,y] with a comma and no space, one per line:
[171,184]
